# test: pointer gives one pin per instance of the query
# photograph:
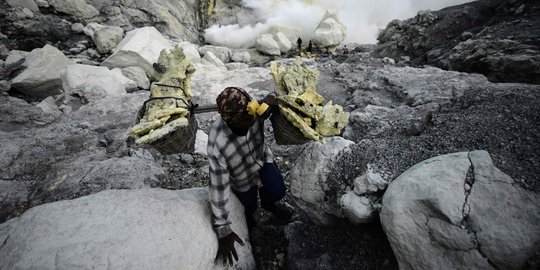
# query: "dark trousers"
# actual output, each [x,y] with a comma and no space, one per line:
[273,190]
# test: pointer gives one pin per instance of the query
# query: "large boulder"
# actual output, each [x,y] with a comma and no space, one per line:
[266,44]
[312,190]
[460,211]
[518,62]
[330,32]
[41,72]
[140,47]
[283,42]
[76,8]
[93,83]
[121,229]
[403,97]
[81,152]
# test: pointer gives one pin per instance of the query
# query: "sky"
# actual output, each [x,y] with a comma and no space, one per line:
[363,18]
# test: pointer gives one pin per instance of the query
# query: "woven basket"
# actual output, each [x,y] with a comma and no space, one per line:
[180,141]
[286,133]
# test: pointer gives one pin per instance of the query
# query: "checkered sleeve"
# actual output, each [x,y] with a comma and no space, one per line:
[219,190]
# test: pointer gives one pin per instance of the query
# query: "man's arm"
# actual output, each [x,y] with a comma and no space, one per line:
[219,200]
[219,190]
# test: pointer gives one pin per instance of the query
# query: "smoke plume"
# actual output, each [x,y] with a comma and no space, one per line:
[363,18]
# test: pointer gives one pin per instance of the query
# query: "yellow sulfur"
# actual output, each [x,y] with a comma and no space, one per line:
[298,122]
[145,127]
[302,106]
[167,109]
[161,132]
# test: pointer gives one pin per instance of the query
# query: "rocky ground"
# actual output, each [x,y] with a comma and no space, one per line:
[477,119]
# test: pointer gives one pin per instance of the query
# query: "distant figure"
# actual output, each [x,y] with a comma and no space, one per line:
[310,47]
[345,50]
[299,44]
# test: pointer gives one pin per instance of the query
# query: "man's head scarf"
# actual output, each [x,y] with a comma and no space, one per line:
[232,104]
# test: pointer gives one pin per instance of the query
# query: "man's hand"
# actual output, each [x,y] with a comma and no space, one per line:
[226,248]
[272,102]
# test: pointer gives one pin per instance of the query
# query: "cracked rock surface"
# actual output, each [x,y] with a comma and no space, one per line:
[460,211]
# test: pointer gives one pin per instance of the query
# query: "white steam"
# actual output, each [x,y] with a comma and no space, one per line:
[363,18]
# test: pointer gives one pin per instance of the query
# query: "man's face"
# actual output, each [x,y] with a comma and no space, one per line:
[243,121]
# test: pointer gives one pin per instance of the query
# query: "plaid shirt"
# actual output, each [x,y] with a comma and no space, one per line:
[234,162]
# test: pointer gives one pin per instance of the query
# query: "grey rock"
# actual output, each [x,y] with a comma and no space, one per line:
[357,209]
[369,183]
[107,38]
[388,60]
[309,183]
[129,84]
[76,50]
[520,9]
[140,47]
[14,61]
[77,8]
[266,44]
[138,75]
[506,60]
[42,3]
[210,59]
[4,87]
[191,51]
[466,35]
[48,105]
[241,56]
[283,42]
[430,220]
[92,83]
[330,32]
[90,28]
[201,142]
[41,76]
[28,4]
[104,229]
[233,66]
[25,13]
[223,53]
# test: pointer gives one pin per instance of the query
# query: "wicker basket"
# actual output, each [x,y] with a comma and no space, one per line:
[180,141]
[286,133]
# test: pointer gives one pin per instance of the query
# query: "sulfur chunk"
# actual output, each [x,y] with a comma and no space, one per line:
[332,120]
[161,132]
[145,126]
[299,122]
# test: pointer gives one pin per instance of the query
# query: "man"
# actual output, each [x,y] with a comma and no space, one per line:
[240,162]
[310,47]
